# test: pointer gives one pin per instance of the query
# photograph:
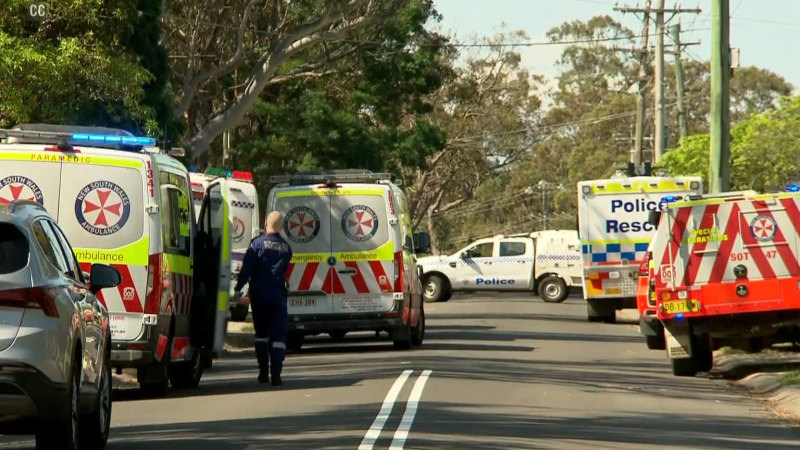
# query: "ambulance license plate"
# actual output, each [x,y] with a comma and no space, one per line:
[304,302]
[680,306]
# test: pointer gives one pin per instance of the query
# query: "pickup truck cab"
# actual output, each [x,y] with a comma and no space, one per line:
[545,262]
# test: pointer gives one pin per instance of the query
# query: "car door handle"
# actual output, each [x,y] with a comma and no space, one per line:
[488,263]
[350,271]
[452,264]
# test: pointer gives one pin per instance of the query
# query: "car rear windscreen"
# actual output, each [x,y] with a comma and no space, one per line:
[13,249]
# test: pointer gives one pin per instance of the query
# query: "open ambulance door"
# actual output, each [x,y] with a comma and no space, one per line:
[212,269]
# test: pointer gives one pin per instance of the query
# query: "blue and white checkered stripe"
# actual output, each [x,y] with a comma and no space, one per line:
[616,252]
[239,204]
[558,257]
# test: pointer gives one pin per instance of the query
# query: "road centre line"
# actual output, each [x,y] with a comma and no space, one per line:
[401,434]
[383,415]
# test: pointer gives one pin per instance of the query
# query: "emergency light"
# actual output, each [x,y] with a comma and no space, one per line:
[668,199]
[793,188]
[112,139]
[234,174]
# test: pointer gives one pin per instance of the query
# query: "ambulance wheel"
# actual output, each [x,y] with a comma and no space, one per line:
[434,288]
[418,332]
[239,313]
[684,367]
[154,380]
[187,374]
[656,342]
[294,342]
[553,290]
[401,337]
[337,336]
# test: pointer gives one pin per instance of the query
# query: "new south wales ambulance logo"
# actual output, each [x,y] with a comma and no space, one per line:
[359,223]
[301,224]
[763,228]
[102,208]
[238,229]
[17,187]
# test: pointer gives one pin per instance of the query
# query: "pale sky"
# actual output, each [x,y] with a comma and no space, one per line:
[767,32]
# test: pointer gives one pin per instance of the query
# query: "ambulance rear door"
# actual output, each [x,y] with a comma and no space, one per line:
[212,265]
[307,229]
[244,219]
[363,261]
[102,212]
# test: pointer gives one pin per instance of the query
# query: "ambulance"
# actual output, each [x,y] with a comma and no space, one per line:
[125,203]
[614,232]
[727,274]
[354,265]
[243,218]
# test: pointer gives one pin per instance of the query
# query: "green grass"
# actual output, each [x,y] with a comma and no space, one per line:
[731,351]
[791,378]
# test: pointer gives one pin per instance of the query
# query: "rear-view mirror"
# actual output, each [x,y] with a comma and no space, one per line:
[653,217]
[422,242]
[103,276]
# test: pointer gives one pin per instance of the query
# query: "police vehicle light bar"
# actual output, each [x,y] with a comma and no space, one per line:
[234,174]
[68,137]
[242,175]
[793,188]
[111,139]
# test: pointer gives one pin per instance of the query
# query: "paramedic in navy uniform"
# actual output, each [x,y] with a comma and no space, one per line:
[264,266]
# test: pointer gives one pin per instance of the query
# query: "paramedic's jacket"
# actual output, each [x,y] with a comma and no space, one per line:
[264,266]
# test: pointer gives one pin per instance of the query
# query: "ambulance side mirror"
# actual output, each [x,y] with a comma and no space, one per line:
[653,217]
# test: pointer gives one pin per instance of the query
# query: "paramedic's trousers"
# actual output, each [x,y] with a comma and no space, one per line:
[271,321]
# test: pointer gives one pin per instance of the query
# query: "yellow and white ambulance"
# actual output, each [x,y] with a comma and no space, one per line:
[353,266]
[243,220]
[123,202]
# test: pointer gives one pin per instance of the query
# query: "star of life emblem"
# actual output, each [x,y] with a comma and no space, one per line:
[763,228]
[102,208]
[359,223]
[301,224]
[16,187]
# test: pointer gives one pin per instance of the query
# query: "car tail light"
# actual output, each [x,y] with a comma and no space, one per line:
[399,269]
[43,298]
[155,285]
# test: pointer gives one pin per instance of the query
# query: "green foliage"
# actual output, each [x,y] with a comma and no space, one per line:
[690,157]
[71,68]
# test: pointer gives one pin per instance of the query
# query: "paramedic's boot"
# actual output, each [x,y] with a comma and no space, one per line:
[263,376]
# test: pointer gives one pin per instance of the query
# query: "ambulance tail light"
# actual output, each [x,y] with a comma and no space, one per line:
[399,276]
[155,285]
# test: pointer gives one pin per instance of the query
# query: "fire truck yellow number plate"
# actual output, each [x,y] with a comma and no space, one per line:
[680,306]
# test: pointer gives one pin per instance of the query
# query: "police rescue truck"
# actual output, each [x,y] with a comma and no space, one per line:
[122,202]
[614,232]
[353,265]
[547,262]
[243,218]
[727,274]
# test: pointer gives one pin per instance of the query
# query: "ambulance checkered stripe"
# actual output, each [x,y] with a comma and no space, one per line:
[710,240]
[366,277]
[482,259]
[614,253]
[240,204]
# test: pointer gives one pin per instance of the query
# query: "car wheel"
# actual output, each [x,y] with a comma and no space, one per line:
[95,427]
[187,374]
[418,332]
[239,313]
[553,290]
[433,290]
[337,336]
[64,434]
[401,337]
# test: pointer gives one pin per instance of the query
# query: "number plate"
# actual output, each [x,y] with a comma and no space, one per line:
[680,306]
[303,302]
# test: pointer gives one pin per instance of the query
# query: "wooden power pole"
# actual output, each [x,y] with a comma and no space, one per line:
[719,178]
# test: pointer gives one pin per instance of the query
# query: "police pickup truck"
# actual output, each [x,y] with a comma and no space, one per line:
[546,262]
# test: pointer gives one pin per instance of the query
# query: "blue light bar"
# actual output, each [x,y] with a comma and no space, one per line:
[112,139]
[668,199]
[793,188]
[679,316]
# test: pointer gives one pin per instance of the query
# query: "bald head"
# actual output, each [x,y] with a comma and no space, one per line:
[274,222]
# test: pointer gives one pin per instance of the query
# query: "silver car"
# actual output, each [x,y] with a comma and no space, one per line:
[55,372]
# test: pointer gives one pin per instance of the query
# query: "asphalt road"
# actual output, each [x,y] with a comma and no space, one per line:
[495,372]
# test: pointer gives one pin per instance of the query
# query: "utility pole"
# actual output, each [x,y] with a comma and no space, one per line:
[676,37]
[641,107]
[719,178]
[660,135]
[660,131]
